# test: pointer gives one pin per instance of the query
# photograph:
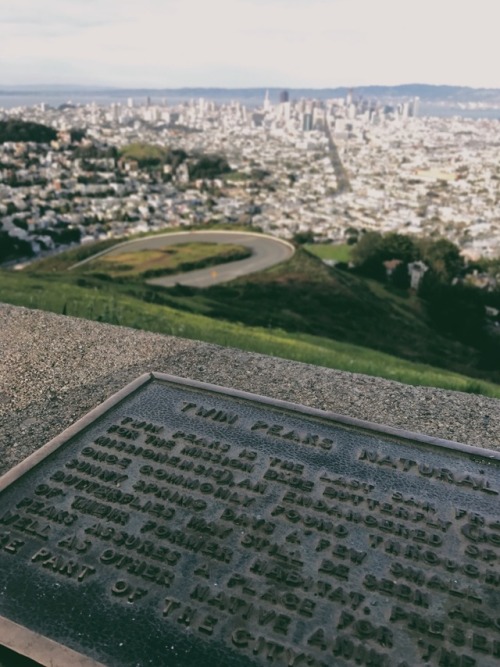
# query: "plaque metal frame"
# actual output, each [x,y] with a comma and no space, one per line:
[44,650]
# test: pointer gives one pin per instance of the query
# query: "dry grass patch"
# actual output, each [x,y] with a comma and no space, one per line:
[167,260]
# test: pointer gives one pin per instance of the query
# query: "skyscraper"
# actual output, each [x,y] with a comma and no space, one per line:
[307,122]
[414,107]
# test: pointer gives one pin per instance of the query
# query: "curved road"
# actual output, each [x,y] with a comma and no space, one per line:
[266,252]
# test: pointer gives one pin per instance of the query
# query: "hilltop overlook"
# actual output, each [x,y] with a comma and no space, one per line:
[340,173]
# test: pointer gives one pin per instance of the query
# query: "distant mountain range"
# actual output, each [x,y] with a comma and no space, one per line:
[426,92]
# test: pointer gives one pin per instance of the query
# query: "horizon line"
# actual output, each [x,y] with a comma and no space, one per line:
[25,86]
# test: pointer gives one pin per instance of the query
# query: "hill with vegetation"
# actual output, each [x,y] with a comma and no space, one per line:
[169,260]
[16,130]
[305,296]
[301,309]
[150,156]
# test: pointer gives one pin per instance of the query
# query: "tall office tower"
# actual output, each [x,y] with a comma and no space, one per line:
[318,116]
[307,122]
[267,103]
[115,112]
[414,104]
[130,103]
[340,125]
[286,110]
[284,96]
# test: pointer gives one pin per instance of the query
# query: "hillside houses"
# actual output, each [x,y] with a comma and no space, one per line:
[424,176]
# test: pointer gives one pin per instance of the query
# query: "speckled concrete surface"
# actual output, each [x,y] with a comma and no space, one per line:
[54,369]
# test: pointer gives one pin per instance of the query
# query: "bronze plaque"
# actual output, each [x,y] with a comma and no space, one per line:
[184,524]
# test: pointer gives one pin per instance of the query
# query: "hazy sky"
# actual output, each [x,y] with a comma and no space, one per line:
[244,43]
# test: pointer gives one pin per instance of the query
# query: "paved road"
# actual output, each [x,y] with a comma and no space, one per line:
[343,183]
[266,252]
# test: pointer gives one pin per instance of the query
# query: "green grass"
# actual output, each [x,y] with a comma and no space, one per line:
[107,304]
[303,295]
[300,309]
[236,176]
[142,152]
[64,260]
[340,252]
[162,261]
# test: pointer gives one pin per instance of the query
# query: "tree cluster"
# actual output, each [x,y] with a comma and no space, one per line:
[209,166]
[19,130]
[64,234]
[11,247]
[149,156]
[453,308]
[301,238]
[95,152]
[441,256]
[77,134]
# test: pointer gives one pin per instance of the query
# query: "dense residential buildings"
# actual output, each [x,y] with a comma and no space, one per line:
[332,168]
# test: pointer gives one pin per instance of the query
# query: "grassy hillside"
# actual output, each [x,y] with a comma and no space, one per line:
[165,261]
[339,252]
[64,260]
[305,296]
[109,304]
[300,309]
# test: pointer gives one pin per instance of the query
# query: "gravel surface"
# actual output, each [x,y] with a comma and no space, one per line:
[55,369]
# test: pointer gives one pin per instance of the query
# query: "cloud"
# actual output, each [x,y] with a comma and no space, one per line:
[53,15]
[252,42]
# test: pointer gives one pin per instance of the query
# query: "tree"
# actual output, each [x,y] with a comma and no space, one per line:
[373,249]
[399,246]
[454,309]
[209,166]
[77,134]
[12,247]
[367,248]
[400,277]
[443,257]
[304,237]
[14,129]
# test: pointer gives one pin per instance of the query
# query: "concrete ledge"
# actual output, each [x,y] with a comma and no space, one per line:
[54,369]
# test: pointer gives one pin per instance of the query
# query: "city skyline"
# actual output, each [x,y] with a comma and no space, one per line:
[248,43]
